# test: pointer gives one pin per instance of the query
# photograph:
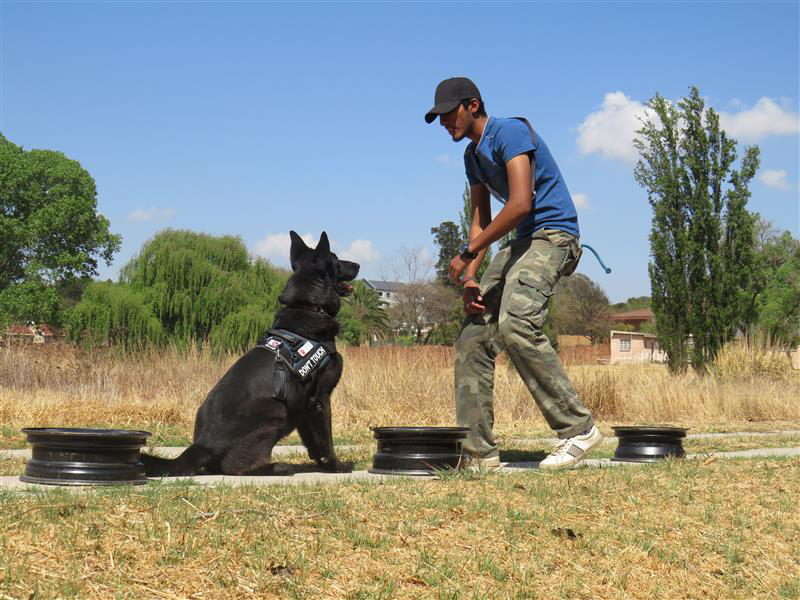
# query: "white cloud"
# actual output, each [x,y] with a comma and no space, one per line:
[581,201]
[359,251]
[142,215]
[775,178]
[275,247]
[763,119]
[611,130]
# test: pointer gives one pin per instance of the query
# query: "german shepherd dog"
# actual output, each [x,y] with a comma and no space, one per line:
[257,402]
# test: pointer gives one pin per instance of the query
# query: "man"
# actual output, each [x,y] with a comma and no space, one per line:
[507,310]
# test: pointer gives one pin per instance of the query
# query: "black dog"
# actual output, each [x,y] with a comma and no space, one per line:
[282,384]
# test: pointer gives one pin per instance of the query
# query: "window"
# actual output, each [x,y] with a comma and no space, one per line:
[625,344]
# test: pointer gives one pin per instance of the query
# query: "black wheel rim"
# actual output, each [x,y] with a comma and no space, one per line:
[77,456]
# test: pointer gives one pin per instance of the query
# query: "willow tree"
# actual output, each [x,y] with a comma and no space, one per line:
[198,287]
[702,244]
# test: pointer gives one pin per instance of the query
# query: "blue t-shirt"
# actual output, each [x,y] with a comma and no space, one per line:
[502,140]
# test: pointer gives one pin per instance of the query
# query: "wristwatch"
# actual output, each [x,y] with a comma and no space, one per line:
[467,255]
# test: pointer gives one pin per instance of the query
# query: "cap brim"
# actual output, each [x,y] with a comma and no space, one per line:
[440,109]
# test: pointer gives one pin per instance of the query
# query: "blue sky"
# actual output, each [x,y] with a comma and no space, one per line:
[254,118]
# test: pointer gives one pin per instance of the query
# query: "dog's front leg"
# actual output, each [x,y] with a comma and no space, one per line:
[316,433]
[315,427]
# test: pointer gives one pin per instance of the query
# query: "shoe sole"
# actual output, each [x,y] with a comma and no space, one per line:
[574,460]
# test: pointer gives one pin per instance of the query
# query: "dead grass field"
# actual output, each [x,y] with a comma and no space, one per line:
[679,529]
[160,392]
[704,528]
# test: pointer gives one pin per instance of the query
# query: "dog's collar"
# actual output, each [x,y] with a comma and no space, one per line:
[312,307]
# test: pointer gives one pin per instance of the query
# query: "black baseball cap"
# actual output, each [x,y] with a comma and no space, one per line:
[449,93]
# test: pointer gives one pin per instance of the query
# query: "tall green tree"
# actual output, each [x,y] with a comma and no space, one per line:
[195,286]
[703,261]
[450,243]
[777,305]
[50,230]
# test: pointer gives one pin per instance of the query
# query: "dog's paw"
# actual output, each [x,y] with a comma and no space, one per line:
[343,467]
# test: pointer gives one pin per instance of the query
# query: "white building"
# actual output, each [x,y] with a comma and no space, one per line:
[387,290]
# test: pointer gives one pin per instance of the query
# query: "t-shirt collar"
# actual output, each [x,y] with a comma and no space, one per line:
[489,125]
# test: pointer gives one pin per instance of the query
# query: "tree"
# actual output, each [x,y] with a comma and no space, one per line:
[702,250]
[777,305]
[50,230]
[580,307]
[632,303]
[407,314]
[196,287]
[366,307]
[448,238]
[451,239]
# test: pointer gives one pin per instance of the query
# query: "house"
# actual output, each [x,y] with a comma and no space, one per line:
[387,290]
[30,333]
[635,347]
[634,318]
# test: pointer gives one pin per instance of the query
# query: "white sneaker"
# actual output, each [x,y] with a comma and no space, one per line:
[571,451]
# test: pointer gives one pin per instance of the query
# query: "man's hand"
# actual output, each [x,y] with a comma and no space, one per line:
[473,301]
[457,266]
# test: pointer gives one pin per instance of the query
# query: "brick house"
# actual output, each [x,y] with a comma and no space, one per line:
[30,333]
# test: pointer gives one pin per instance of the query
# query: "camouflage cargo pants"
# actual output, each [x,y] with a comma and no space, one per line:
[516,290]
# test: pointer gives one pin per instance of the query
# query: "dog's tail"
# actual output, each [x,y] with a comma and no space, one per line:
[189,462]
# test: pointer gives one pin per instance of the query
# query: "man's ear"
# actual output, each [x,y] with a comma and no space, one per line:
[297,249]
[324,246]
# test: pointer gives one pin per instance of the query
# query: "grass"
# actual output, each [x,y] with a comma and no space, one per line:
[160,391]
[678,529]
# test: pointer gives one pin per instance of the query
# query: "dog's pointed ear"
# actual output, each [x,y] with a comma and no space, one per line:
[324,246]
[297,249]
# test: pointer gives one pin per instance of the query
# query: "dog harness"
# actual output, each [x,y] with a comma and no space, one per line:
[300,356]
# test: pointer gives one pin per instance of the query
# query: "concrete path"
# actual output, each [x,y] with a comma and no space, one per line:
[692,436]
[13,482]
[173,451]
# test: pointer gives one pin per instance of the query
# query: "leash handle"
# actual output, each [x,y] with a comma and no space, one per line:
[597,256]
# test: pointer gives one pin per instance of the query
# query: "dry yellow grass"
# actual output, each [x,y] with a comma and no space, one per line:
[677,530]
[161,390]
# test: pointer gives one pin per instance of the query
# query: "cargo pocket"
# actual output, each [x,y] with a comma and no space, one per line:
[529,299]
[571,261]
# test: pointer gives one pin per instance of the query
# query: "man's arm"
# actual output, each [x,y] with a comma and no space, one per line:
[517,207]
[480,218]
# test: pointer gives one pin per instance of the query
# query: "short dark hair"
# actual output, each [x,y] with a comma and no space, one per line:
[481,112]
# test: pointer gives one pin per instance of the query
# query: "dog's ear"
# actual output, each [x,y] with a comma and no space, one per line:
[324,246]
[297,249]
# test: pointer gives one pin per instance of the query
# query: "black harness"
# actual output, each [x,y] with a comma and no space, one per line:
[300,356]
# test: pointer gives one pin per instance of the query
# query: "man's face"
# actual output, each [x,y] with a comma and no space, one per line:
[458,122]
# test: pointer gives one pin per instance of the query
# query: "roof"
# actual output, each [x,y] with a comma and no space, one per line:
[640,314]
[615,333]
[29,329]
[384,286]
